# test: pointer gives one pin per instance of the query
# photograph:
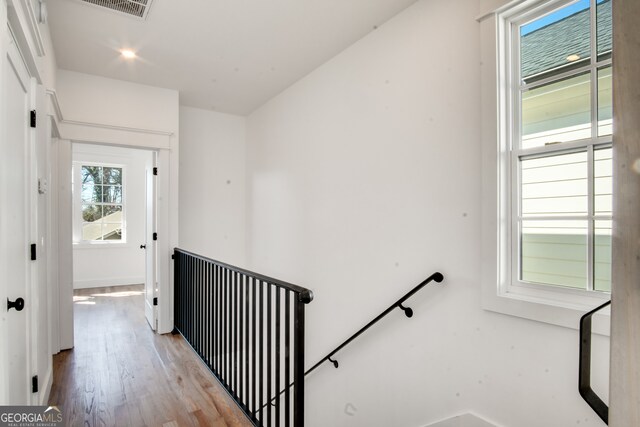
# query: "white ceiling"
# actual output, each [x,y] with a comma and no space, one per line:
[226,55]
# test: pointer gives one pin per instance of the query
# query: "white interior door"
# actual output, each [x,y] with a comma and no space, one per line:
[150,287]
[14,225]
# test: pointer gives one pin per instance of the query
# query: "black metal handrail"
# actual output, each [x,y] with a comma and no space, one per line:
[584,373]
[435,277]
[305,294]
[234,320]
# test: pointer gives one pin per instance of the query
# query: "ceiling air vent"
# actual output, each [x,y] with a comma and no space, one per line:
[136,8]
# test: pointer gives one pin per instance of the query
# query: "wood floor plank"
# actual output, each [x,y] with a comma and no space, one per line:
[120,373]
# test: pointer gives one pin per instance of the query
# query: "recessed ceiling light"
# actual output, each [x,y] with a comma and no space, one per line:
[574,57]
[128,53]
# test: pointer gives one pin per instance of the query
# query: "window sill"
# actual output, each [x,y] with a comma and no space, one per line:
[541,306]
[101,245]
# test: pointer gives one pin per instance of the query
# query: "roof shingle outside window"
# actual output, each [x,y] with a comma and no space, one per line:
[546,49]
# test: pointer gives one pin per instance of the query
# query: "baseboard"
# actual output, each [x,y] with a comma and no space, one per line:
[115,281]
[47,384]
[463,420]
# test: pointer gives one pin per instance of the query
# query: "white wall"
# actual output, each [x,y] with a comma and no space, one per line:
[113,263]
[362,179]
[93,99]
[212,184]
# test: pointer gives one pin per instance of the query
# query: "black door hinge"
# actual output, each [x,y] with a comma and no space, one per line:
[155,171]
[155,300]
[33,252]
[173,256]
[34,384]
[155,236]
[32,120]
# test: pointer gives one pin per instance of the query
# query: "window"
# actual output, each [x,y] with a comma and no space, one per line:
[560,148]
[550,177]
[101,201]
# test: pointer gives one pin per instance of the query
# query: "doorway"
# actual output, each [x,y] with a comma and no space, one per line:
[114,221]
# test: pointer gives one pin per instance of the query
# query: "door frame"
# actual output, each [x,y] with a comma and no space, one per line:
[151,252]
[160,157]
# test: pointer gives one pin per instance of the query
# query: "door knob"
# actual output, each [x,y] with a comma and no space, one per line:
[143,246]
[18,304]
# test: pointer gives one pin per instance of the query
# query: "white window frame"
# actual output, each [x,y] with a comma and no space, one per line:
[502,290]
[77,206]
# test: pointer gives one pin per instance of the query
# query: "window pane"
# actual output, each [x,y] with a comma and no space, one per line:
[112,194]
[112,213]
[556,41]
[114,236]
[557,112]
[112,175]
[603,181]
[112,231]
[91,175]
[91,213]
[604,30]
[554,185]
[91,193]
[602,256]
[554,253]
[605,102]
[101,196]
[92,231]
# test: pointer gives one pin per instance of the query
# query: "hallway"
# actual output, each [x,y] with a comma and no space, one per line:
[122,374]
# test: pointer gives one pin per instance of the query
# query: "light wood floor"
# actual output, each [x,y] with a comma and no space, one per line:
[122,374]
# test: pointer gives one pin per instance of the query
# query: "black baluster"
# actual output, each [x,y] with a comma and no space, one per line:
[201,306]
[214,337]
[189,302]
[240,335]
[198,311]
[176,290]
[261,354]
[269,361]
[246,343]
[183,293]
[235,334]
[219,340]
[192,300]
[209,304]
[287,351]
[298,363]
[277,377]
[224,325]
[254,402]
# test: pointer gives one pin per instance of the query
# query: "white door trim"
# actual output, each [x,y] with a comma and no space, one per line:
[150,224]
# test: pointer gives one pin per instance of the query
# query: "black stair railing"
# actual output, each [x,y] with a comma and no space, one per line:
[435,277]
[249,330]
[584,369]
